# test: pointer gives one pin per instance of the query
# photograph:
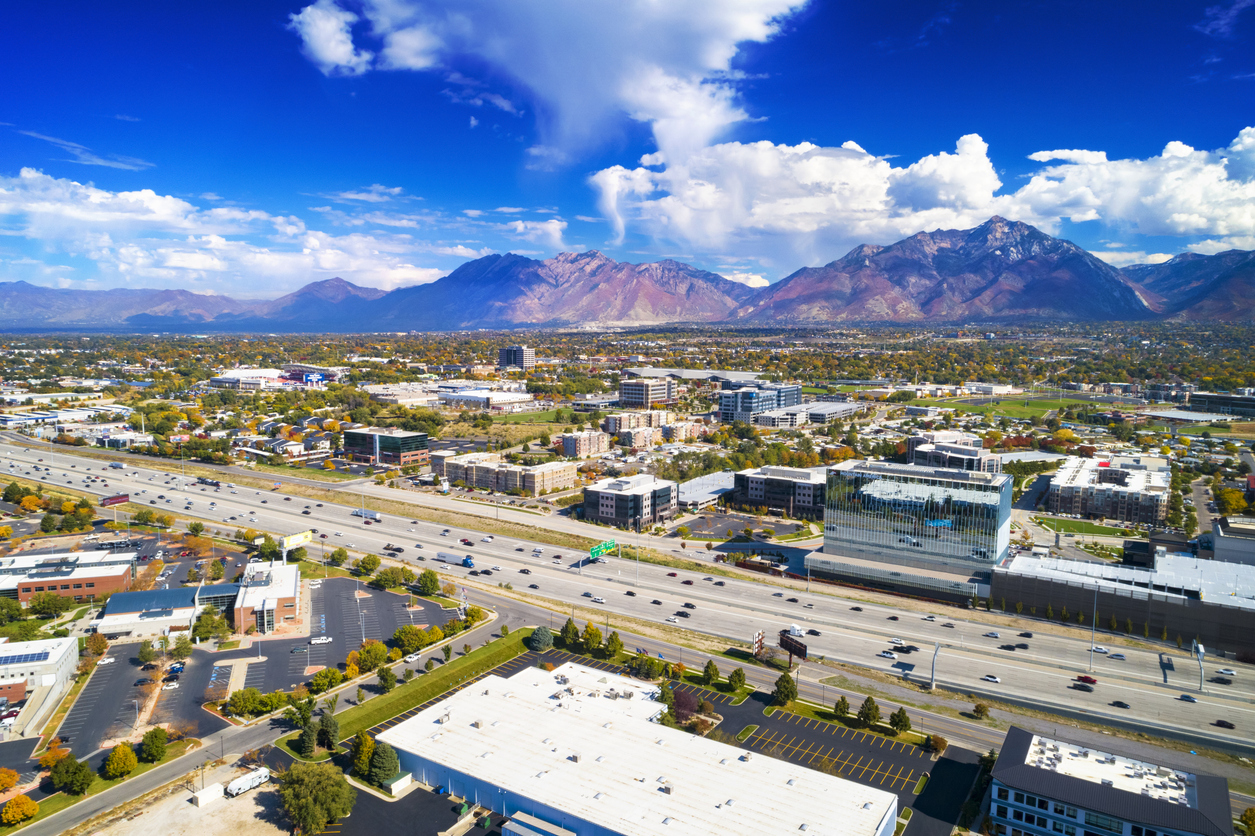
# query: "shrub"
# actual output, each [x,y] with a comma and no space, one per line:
[8,779]
[980,710]
[540,640]
[937,743]
[72,776]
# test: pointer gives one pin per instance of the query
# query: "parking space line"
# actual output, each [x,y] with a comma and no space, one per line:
[821,748]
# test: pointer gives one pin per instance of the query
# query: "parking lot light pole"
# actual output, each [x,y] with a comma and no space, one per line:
[136,702]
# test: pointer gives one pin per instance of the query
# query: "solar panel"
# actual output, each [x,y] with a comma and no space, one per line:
[22,658]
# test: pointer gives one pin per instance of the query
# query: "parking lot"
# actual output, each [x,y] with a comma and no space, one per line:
[105,705]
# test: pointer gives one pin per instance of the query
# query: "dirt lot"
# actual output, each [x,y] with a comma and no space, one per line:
[258,813]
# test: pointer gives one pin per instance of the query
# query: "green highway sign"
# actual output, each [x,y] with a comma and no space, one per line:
[601,548]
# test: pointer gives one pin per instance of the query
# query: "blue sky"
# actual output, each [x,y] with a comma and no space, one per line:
[248,148]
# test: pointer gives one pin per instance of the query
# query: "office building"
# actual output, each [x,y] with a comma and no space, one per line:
[487,400]
[744,403]
[158,612]
[645,393]
[797,491]
[1233,540]
[517,357]
[83,576]
[1237,405]
[1179,596]
[955,456]
[582,445]
[718,377]
[914,529]
[579,751]
[632,501]
[386,446]
[28,666]
[269,595]
[1047,787]
[1129,489]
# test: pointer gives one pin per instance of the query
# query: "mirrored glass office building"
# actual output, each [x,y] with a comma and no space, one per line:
[954,525]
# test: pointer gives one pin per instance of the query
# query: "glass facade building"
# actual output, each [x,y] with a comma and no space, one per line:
[385,445]
[952,520]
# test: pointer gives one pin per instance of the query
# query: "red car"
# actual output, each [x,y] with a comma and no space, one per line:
[687,583]
[671,574]
[1088,680]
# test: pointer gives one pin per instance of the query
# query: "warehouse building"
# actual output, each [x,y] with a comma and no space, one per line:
[578,751]
[1047,787]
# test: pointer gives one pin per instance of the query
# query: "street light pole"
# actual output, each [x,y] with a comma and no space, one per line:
[1093,627]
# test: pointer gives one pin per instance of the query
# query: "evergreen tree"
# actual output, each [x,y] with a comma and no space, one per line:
[570,634]
[541,639]
[328,731]
[153,747]
[146,653]
[843,707]
[869,713]
[899,721]
[710,674]
[307,743]
[614,646]
[383,764]
[785,691]
[387,679]
[737,678]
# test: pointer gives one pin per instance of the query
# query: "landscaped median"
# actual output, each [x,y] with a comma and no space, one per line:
[815,711]
[421,689]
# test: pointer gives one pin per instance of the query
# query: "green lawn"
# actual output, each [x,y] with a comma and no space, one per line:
[921,783]
[527,418]
[827,715]
[1077,527]
[744,733]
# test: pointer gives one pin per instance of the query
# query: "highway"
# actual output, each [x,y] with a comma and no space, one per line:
[1041,674]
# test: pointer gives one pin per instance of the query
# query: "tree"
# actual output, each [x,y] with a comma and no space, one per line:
[368,564]
[363,748]
[121,762]
[316,794]
[49,604]
[325,680]
[429,665]
[591,638]
[842,707]
[1248,820]
[428,583]
[505,630]
[153,747]
[8,779]
[899,721]
[683,706]
[393,576]
[869,713]
[614,646]
[409,638]
[338,557]
[710,674]
[10,611]
[49,523]
[146,653]
[570,634]
[785,691]
[447,652]
[56,752]
[980,711]
[384,764]
[328,730]
[372,655]
[387,679]
[97,644]
[196,528]
[19,809]
[937,743]
[736,679]
[540,640]
[72,776]
[216,570]
[182,646]
[193,576]
[307,743]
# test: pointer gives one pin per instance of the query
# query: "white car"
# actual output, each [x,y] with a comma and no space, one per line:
[321,640]
[989,677]
[930,618]
[599,600]
[105,660]
[1227,672]
[170,686]
[896,641]
[991,635]
[1119,657]
[1099,649]
[497,569]
[338,534]
[887,654]
[412,658]
[672,620]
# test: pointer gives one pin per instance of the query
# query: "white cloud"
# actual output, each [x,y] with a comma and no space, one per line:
[474,121]
[1124,258]
[546,232]
[83,154]
[509,210]
[586,66]
[371,194]
[747,279]
[1220,21]
[325,34]
[143,239]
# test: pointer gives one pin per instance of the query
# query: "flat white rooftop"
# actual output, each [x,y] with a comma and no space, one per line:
[1116,771]
[584,742]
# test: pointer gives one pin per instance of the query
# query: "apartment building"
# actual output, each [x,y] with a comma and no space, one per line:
[641,438]
[582,445]
[1129,489]
[490,472]
[644,393]
[631,502]
[657,418]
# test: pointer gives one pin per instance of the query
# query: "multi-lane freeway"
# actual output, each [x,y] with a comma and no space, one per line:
[1040,670]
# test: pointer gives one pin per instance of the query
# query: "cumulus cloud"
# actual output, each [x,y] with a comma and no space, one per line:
[142,238]
[810,202]
[748,279]
[1123,258]
[585,66]
[545,232]
[327,40]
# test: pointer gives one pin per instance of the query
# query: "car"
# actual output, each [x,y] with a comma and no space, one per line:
[655,601]
[856,609]
[887,654]
[495,568]
[173,677]
[1119,704]
[1119,657]
[687,582]
[588,595]
[533,586]
[689,606]
[929,618]
[1098,649]
[143,680]
[287,499]
[991,635]
[720,583]
[321,640]
[893,618]
[599,600]
[682,614]
[1227,672]
[792,600]
[485,571]
[675,574]
[671,619]
[1188,698]
[812,632]
[169,686]
[151,666]
[525,571]
[106,660]
[338,534]
[1026,635]
[323,536]
[989,677]
[949,624]
[305,512]
[630,594]
[474,573]
[1224,724]
[896,641]
[1081,686]
[300,648]
[1089,680]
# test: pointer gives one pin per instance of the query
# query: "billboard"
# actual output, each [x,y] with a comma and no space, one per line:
[790,644]
[293,540]
[117,499]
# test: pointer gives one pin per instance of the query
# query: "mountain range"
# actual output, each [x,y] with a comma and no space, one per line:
[1000,271]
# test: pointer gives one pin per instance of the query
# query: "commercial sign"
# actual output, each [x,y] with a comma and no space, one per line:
[601,548]
[117,499]
[757,644]
[791,645]
[293,540]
